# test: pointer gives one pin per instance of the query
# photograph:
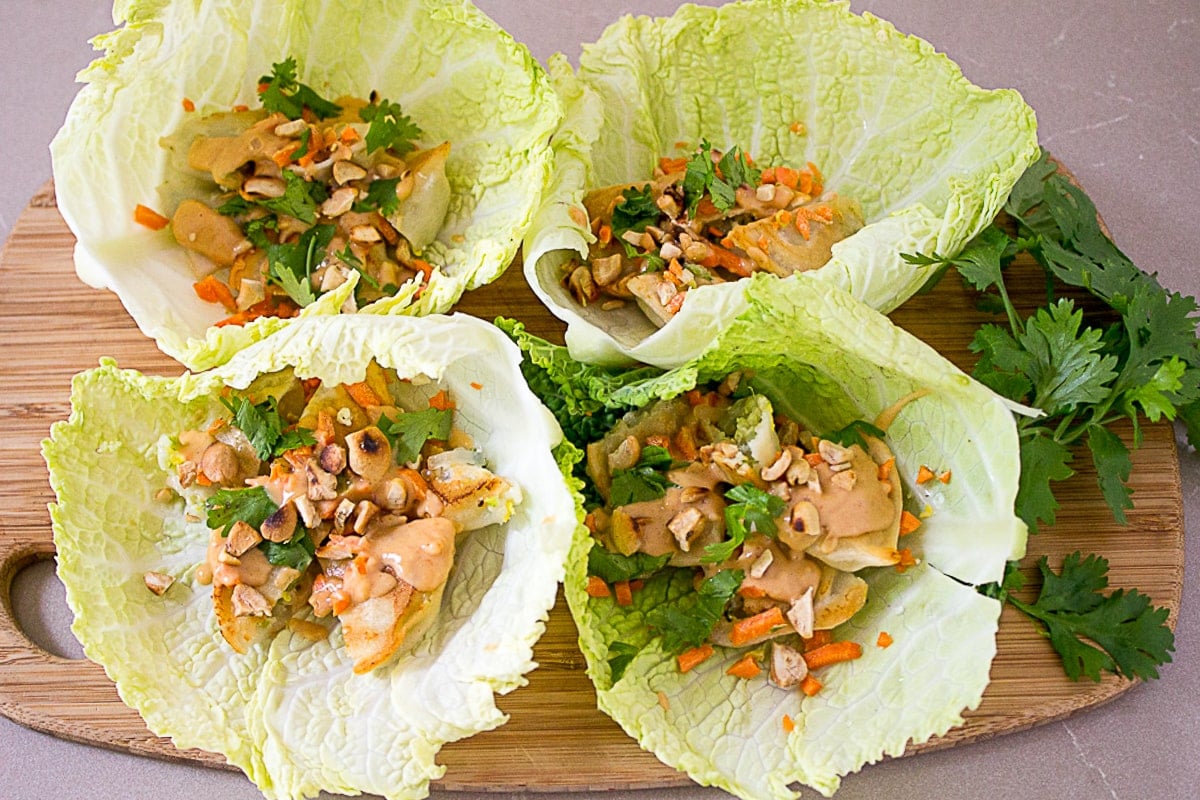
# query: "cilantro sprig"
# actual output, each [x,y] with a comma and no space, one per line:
[409,431]
[1093,632]
[1084,376]
[646,480]
[689,620]
[636,210]
[281,92]
[390,128]
[720,180]
[751,511]
[226,507]
[265,427]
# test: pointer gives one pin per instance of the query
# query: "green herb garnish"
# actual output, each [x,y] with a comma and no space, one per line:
[636,210]
[702,177]
[644,481]
[281,92]
[620,656]
[296,552]
[264,427]
[855,433]
[409,431]
[612,567]
[1092,632]
[227,507]
[689,620]
[390,128]
[752,511]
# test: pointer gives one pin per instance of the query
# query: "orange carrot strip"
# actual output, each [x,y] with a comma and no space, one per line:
[747,630]
[810,685]
[818,639]
[806,182]
[605,234]
[814,459]
[906,560]
[788,724]
[925,474]
[768,175]
[832,653]
[705,208]
[908,523]
[669,165]
[423,267]
[636,584]
[203,480]
[153,220]
[476,386]
[697,655]
[349,135]
[623,593]
[441,401]
[241,107]
[212,290]
[885,469]
[885,639]
[746,590]
[188,105]
[283,155]
[363,394]
[745,667]
[418,482]
[787,176]
[802,223]
[596,587]
[945,477]
[324,434]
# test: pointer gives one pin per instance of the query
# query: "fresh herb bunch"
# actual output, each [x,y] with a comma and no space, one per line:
[1083,379]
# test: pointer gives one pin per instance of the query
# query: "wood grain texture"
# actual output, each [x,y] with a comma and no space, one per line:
[53,326]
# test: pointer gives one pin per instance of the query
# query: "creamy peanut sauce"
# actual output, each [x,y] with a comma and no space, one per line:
[253,569]
[420,553]
[866,506]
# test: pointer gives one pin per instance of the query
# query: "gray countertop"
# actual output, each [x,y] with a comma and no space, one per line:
[1116,87]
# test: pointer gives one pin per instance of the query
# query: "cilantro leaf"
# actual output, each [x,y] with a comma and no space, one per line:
[296,552]
[1120,632]
[620,656]
[689,620]
[264,426]
[1113,467]
[281,92]
[1043,460]
[409,431]
[292,265]
[381,195]
[644,481]
[736,170]
[1065,365]
[390,128]
[752,511]
[636,210]
[300,198]
[854,433]
[228,506]
[698,176]
[611,567]
[296,288]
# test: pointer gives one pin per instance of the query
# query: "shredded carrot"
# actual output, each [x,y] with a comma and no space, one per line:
[203,480]
[589,521]
[745,667]
[324,433]
[349,135]
[636,584]
[188,105]
[441,401]
[658,440]
[705,208]
[271,307]
[298,456]
[818,639]
[623,593]
[768,175]
[906,560]
[832,653]
[695,397]
[720,257]
[605,234]
[669,165]
[885,640]
[241,107]
[363,394]
[685,444]
[476,386]
[360,564]
[212,290]
[697,655]
[747,590]
[925,474]
[675,303]
[798,128]
[788,724]
[596,587]
[885,469]
[283,155]
[423,267]
[787,176]
[783,218]
[747,630]
[908,523]
[263,86]
[944,477]
[814,459]
[810,685]
[153,220]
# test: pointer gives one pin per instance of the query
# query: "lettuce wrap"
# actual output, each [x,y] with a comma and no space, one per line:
[291,712]
[460,77]
[826,360]
[892,125]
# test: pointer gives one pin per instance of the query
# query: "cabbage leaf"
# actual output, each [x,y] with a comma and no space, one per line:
[290,712]
[889,121]
[454,71]
[825,359]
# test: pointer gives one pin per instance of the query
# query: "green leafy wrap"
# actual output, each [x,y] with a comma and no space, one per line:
[456,73]
[825,360]
[291,712]
[891,123]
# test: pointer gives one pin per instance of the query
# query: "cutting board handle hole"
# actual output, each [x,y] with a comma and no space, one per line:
[38,603]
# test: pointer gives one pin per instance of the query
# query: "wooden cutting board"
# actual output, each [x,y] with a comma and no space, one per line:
[53,326]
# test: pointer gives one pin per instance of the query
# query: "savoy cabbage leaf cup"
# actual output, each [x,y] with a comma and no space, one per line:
[457,74]
[291,712]
[825,360]
[891,123]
